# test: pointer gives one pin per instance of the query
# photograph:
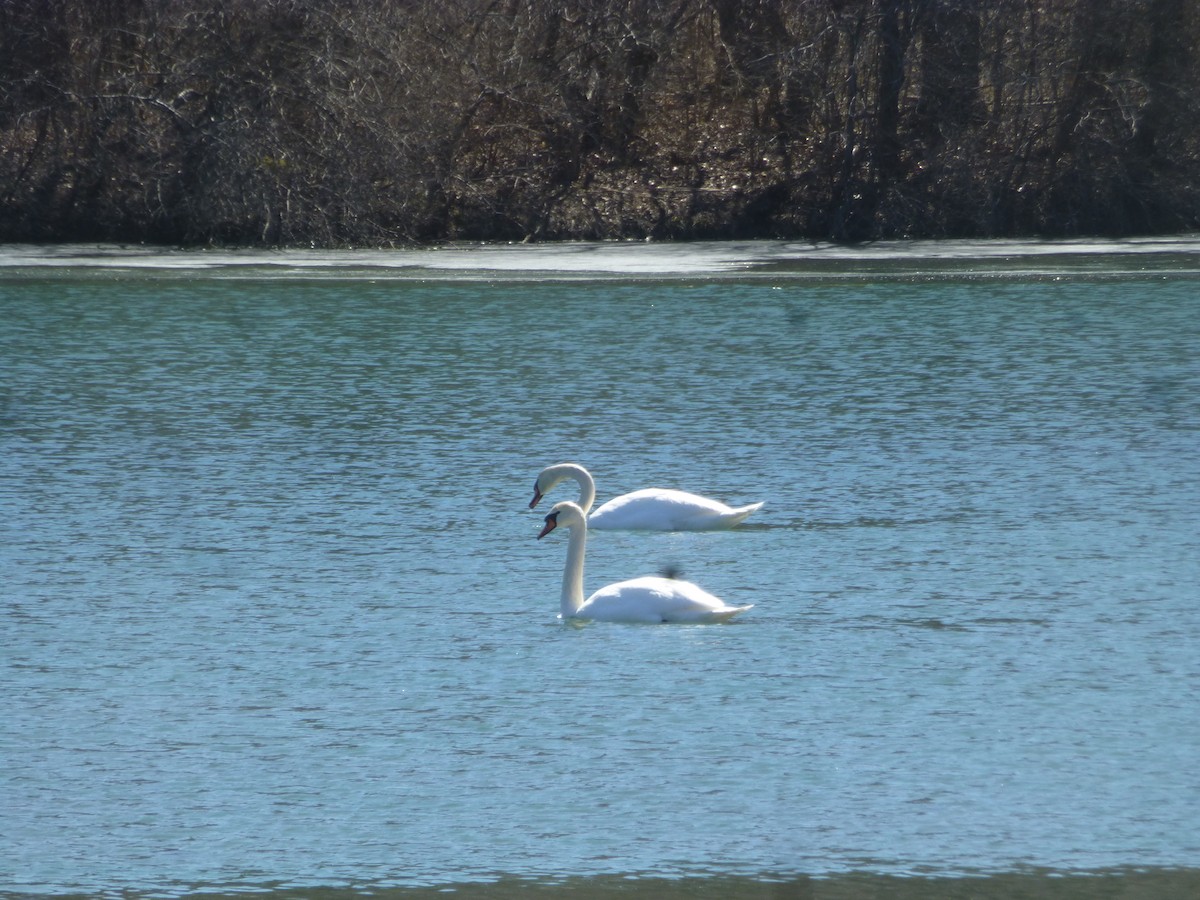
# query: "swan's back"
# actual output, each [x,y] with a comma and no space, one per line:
[662,509]
[653,599]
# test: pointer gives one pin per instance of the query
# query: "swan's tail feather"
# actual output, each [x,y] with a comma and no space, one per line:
[725,615]
[742,513]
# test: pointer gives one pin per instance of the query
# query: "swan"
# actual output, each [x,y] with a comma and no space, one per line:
[650,509]
[646,599]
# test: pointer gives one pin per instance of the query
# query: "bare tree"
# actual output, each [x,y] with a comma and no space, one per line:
[359,121]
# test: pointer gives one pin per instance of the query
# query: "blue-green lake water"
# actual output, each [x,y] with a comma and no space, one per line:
[274,618]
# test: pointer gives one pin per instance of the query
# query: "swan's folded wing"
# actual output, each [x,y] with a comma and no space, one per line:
[661,509]
[654,599]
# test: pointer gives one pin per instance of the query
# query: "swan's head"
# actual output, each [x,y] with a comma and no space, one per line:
[549,478]
[538,493]
[546,482]
[562,515]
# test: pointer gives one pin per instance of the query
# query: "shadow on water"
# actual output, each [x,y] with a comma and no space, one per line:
[830,525]
[1141,884]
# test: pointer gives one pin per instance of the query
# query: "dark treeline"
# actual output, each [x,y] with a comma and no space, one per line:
[341,122]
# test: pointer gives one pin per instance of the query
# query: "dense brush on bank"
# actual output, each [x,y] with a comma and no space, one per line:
[335,123]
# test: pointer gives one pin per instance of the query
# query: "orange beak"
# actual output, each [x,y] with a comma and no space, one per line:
[537,496]
[551,524]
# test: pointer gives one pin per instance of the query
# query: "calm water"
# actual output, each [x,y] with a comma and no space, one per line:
[274,617]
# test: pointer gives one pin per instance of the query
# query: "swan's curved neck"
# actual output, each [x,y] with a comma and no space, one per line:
[587,486]
[572,583]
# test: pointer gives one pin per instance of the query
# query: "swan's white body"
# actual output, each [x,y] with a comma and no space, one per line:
[650,509]
[648,599]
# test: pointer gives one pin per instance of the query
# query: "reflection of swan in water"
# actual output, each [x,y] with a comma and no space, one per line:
[650,509]
[646,599]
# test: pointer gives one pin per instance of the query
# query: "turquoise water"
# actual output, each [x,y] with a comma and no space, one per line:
[275,618]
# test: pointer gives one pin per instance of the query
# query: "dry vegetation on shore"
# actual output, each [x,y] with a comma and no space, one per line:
[344,122]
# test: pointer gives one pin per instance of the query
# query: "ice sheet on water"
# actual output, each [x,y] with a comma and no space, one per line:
[785,260]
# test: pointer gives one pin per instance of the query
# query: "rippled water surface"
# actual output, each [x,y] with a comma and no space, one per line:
[274,617]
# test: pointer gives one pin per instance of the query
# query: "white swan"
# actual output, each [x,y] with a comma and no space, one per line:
[646,599]
[650,509]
